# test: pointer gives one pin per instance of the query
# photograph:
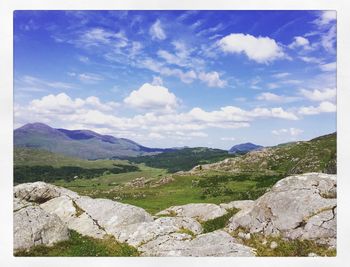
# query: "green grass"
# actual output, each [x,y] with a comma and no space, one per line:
[286,247]
[33,157]
[219,222]
[82,246]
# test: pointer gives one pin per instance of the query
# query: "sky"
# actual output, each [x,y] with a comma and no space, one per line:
[178,78]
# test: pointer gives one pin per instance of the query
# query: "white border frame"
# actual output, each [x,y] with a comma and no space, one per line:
[6,129]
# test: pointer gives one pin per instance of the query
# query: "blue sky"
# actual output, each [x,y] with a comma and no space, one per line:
[175,78]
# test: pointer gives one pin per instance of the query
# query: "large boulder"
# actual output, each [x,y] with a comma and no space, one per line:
[215,244]
[40,192]
[301,206]
[199,211]
[34,226]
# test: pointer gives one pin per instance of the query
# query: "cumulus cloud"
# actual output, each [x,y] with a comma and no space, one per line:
[212,79]
[290,131]
[156,31]
[152,97]
[328,94]
[300,41]
[259,49]
[323,107]
[62,103]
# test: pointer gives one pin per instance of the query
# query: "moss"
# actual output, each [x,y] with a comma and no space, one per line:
[186,231]
[219,222]
[82,246]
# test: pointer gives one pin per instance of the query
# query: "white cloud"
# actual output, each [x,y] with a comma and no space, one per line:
[311,59]
[329,66]
[326,17]
[290,131]
[97,37]
[156,31]
[270,97]
[152,97]
[212,79]
[329,39]
[89,77]
[323,107]
[259,49]
[300,41]
[328,94]
[32,83]
[281,75]
[62,103]
[227,139]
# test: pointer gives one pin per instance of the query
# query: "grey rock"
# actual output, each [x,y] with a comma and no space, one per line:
[110,215]
[40,192]
[199,211]
[273,245]
[137,234]
[65,208]
[34,226]
[301,206]
[238,204]
[217,244]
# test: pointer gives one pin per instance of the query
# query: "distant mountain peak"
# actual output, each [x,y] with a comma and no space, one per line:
[244,148]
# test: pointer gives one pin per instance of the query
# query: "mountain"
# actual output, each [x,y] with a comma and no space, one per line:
[244,148]
[84,144]
[316,155]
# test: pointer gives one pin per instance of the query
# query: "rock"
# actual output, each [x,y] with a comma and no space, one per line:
[301,206]
[73,216]
[137,234]
[34,226]
[238,204]
[139,182]
[216,244]
[20,203]
[311,254]
[40,192]
[111,215]
[199,211]
[273,245]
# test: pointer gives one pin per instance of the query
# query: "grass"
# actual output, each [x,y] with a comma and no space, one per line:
[219,222]
[285,248]
[82,246]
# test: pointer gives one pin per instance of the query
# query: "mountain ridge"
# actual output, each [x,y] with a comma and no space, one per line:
[84,144]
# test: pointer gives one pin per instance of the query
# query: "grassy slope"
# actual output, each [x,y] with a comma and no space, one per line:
[82,246]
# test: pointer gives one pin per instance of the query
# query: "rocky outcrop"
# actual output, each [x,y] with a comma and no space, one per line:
[52,210]
[301,206]
[297,207]
[34,226]
[215,244]
[199,211]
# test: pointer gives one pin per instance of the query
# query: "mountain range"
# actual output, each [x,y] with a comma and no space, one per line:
[84,144]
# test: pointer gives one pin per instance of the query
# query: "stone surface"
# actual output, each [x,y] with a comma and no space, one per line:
[136,234]
[301,206]
[40,192]
[217,243]
[238,204]
[34,226]
[199,211]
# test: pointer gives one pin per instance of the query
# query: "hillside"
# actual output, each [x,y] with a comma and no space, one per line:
[82,144]
[182,159]
[318,154]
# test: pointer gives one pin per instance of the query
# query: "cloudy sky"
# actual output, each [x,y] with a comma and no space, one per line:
[175,78]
